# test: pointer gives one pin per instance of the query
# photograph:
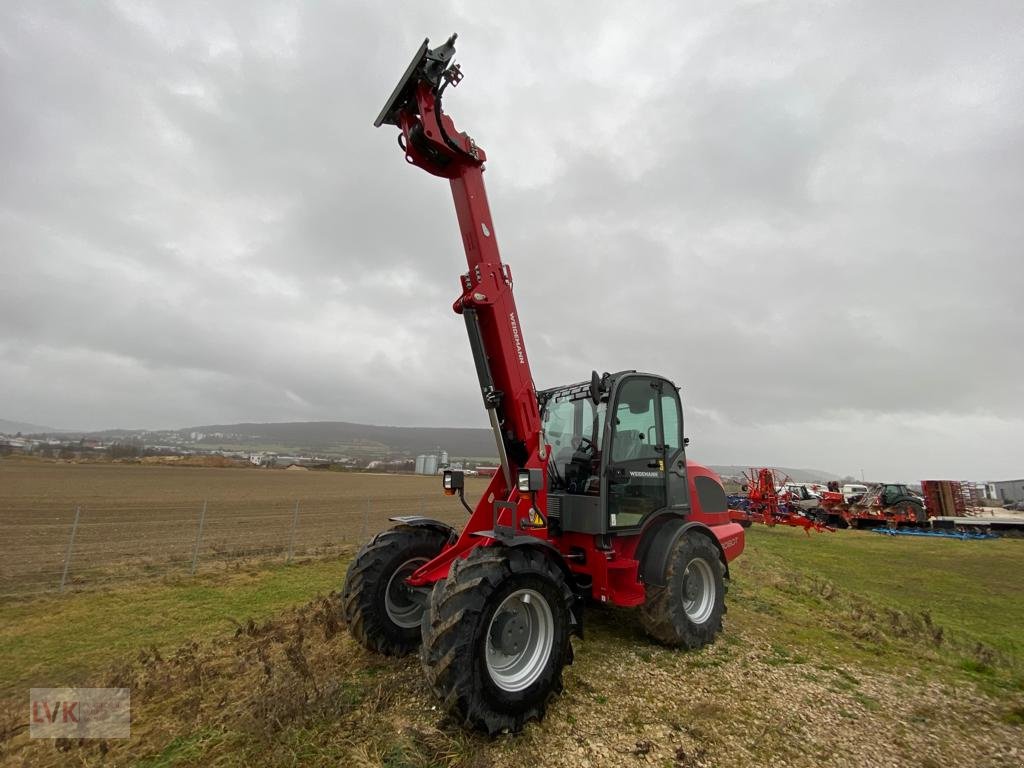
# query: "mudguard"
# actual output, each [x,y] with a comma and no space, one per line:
[658,543]
[552,553]
[419,521]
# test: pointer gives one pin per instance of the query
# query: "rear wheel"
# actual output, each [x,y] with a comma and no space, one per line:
[688,610]
[382,612]
[496,637]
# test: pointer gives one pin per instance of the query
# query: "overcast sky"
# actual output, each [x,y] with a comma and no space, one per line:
[809,215]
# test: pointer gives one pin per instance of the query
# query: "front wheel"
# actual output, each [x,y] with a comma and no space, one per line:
[496,637]
[688,610]
[381,611]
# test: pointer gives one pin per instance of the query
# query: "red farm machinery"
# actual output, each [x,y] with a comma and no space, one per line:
[951,498]
[771,499]
[888,505]
[594,499]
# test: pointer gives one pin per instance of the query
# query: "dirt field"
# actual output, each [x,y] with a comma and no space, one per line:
[138,519]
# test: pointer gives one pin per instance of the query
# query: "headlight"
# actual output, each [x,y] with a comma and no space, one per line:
[530,480]
[453,480]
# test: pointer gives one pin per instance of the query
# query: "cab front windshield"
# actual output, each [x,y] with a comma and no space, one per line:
[574,428]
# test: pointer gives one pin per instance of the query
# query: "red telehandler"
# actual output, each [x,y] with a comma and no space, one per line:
[595,499]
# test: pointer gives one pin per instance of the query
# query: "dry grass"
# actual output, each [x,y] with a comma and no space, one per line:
[789,683]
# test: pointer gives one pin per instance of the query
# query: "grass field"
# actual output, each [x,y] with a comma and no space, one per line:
[843,649]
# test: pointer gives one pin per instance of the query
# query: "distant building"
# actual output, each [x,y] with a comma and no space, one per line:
[428,464]
[1005,490]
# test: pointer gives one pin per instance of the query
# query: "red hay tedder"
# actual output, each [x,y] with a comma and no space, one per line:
[770,502]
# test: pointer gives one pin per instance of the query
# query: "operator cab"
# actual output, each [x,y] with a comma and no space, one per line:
[893,493]
[610,474]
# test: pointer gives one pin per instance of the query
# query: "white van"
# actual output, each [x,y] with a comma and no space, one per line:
[852,490]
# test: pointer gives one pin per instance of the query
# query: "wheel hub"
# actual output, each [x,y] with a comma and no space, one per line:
[510,631]
[399,598]
[520,640]
[698,591]
[692,587]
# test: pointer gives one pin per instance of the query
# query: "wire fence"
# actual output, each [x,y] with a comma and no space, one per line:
[62,549]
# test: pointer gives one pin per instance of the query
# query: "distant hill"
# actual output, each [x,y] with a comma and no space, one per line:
[342,438]
[353,439]
[14,427]
[366,439]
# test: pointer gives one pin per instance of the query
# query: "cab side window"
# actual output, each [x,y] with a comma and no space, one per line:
[672,423]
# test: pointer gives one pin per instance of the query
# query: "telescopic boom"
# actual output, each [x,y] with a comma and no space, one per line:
[431,141]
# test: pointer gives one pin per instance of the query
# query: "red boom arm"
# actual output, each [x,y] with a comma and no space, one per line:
[431,141]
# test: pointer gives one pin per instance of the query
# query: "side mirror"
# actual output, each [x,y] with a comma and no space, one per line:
[595,387]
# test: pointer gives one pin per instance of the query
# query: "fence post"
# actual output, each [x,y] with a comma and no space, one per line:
[71,545]
[199,538]
[366,522]
[291,537]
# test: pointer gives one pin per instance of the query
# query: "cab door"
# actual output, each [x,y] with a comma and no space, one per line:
[674,449]
[636,465]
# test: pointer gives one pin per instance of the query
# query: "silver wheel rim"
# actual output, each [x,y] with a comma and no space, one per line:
[402,608]
[520,638]
[698,590]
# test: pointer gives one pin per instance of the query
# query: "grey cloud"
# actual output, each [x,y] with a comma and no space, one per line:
[805,214]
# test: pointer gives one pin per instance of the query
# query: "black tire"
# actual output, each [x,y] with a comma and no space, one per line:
[664,613]
[365,598]
[920,516]
[459,619]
